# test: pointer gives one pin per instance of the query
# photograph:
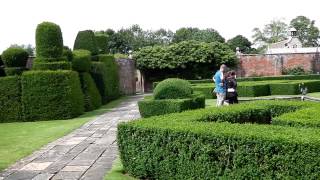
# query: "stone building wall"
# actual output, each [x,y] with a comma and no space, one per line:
[127,76]
[274,64]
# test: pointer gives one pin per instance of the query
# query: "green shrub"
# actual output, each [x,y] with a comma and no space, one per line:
[59,65]
[11,71]
[173,89]
[51,95]
[10,99]
[81,60]
[186,146]
[67,53]
[99,74]
[112,77]
[86,40]
[92,98]
[15,57]
[49,42]
[151,107]
[298,70]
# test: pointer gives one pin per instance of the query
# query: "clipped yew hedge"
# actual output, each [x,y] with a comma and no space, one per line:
[173,88]
[92,98]
[112,76]
[48,95]
[221,144]
[10,99]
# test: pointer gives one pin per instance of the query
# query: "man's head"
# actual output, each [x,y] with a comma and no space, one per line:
[223,68]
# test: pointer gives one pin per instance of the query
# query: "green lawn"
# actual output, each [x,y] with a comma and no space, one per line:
[117,173]
[20,139]
[316,94]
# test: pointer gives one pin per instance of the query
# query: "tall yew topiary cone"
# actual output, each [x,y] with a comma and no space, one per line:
[49,48]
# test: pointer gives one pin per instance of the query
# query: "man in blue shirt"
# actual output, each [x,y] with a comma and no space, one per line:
[220,88]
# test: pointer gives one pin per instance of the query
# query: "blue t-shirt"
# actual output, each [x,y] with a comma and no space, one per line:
[218,80]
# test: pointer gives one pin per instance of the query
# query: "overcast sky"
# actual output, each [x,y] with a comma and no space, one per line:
[19,18]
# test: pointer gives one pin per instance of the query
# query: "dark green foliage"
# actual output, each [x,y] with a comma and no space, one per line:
[205,35]
[11,71]
[102,43]
[67,53]
[112,76]
[81,60]
[181,55]
[240,42]
[253,90]
[99,72]
[173,89]
[49,42]
[15,57]
[86,40]
[59,65]
[10,99]
[186,146]
[51,95]
[92,98]
[151,107]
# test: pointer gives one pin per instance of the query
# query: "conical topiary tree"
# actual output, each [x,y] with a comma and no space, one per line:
[49,48]
[86,40]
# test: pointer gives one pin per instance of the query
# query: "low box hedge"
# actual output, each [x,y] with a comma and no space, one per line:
[10,99]
[51,95]
[151,107]
[265,78]
[186,146]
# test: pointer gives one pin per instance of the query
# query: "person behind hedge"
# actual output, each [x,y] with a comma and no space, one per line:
[231,85]
[220,89]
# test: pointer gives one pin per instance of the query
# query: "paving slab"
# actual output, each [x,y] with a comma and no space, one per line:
[85,153]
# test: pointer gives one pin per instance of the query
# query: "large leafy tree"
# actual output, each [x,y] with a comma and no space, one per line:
[205,35]
[242,42]
[307,32]
[275,31]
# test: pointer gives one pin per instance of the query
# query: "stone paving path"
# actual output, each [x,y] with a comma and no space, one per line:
[86,153]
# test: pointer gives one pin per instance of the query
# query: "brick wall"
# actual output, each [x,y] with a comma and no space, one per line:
[274,64]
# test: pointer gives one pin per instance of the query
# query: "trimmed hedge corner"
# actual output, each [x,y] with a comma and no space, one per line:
[173,88]
[51,95]
[220,144]
[10,99]
[152,107]
[98,72]
[92,98]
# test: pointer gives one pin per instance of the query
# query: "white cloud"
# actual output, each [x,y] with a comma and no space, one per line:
[230,17]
